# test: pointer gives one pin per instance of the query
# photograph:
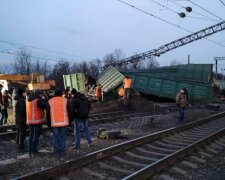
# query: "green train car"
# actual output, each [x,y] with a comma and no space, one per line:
[164,81]
[76,81]
[163,87]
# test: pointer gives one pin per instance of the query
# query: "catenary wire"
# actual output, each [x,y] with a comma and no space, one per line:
[222,2]
[41,49]
[206,10]
[168,22]
[156,2]
[164,6]
[36,57]
[194,17]
[171,1]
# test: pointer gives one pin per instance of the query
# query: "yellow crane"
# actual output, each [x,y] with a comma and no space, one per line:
[31,82]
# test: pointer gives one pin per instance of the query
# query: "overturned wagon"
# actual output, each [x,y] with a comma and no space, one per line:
[165,81]
[163,87]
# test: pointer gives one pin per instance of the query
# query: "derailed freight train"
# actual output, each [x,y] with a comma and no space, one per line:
[164,81]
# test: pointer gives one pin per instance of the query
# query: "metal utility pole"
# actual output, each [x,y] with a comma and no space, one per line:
[173,45]
[216,59]
[188,58]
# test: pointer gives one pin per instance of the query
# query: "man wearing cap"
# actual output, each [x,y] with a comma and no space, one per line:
[35,107]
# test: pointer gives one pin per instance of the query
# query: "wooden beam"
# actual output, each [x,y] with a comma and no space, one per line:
[14,77]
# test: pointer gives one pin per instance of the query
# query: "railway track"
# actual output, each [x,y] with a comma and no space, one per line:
[140,158]
[94,121]
[106,120]
[95,116]
[196,165]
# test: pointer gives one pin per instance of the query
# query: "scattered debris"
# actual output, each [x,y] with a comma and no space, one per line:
[113,134]
[213,106]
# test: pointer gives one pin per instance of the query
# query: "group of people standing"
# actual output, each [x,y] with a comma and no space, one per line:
[58,112]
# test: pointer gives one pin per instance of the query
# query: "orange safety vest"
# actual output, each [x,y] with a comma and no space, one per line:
[127,83]
[98,91]
[35,115]
[121,92]
[58,111]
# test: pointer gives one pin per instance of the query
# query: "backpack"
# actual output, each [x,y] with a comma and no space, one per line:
[83,107]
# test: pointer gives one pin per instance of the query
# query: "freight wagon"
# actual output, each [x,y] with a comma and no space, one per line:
[200,73]
[164,87]
[163,82]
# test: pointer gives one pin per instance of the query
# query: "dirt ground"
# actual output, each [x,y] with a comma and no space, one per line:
[168,118]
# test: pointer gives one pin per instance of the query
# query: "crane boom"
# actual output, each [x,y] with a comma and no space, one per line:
[173,45]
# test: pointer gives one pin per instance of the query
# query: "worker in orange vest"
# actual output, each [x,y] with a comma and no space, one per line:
[35,108]
[58,110]
[98,92]
[127,83]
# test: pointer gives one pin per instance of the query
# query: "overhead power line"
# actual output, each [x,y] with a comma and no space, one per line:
[161,19]
[173,45]
[222,2]
[178,13]
[36,57]
[41,49]
[198,13]
[168,22]
[206,10]
[164,6]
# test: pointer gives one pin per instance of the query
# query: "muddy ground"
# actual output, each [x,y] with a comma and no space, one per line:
[168,118]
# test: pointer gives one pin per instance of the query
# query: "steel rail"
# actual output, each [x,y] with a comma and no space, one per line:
[169,160]
[110,151]
[114,118]
[91,116]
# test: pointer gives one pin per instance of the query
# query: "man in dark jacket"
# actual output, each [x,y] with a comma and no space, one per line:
[35,106]
[20,118]
[80,107]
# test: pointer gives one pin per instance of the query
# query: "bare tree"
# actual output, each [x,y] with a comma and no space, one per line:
[41,67]
[119,54]
[98,63]
[60,69]
[83,67]
[109,59]
[93,70]
[23,63]
[152,63]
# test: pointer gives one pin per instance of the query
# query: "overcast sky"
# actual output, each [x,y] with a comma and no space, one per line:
[90,29]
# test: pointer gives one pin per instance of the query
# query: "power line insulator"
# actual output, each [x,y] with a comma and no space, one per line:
[182,15]
[188,9]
